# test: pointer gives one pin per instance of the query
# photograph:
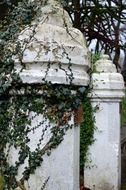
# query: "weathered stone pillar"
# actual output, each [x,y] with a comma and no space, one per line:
[105,154]
[54,51]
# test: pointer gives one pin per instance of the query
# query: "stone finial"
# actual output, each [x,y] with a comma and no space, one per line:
[106,81]
[53,13]
[53,48]
[105,65]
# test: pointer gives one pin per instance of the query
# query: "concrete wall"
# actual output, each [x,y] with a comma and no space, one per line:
[61,168]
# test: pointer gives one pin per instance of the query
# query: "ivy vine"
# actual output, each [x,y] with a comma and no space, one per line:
[20,105]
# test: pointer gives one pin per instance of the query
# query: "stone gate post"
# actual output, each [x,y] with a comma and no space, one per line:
[52,52]
[105,153]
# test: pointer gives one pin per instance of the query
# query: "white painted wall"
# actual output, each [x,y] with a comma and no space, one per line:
[61,167]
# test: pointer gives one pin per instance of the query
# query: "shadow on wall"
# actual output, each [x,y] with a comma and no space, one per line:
[84,188]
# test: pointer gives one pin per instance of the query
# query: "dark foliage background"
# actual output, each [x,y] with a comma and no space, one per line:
[102,21]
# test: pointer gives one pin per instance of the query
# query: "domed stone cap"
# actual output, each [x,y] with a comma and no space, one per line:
[53,49]
[106,82]
[105,65]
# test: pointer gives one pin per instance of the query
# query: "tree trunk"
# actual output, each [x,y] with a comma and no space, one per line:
[77,23]
[124,68]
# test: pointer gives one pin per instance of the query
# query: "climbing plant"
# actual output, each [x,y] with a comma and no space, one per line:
[123,111]
[87,127]
[21,104]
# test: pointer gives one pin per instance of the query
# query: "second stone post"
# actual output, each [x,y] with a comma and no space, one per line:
[105,153]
